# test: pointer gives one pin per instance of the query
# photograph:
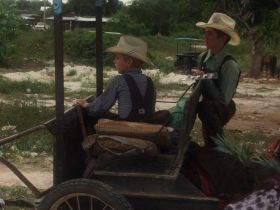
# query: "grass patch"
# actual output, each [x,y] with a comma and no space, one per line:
[27,86]
[79,94]
[247,96]
[170,86]
[23,115]
[257,142]
[264,89]
[251,148]
[16,192]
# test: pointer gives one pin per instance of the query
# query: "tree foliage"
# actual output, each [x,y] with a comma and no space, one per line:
[87,7]
[31,6]
[257,21]
[112,6]
[156,15]
[9,22]
[125,24]
[82,7]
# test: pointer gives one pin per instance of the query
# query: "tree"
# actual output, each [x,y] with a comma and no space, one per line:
[9,22]
[112,6]
[87,7]
[125,24]
[30,6]
[156,15]
[257,21]
[81,7]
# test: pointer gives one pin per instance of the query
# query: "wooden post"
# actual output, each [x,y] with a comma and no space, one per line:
[59,167]
[99,48]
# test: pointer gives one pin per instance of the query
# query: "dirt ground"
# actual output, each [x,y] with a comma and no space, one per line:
[258,105]
[40,177]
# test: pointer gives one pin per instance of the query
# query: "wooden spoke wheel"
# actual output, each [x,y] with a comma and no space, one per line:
[84,194]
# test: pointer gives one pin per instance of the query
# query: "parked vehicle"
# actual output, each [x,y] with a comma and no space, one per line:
[41,26]
[188,50]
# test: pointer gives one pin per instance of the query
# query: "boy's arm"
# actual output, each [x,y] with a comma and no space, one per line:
[105,101]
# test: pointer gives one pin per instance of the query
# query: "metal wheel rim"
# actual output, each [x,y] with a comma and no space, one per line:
[66,198]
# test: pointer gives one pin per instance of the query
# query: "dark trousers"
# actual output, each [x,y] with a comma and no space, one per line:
[214,116]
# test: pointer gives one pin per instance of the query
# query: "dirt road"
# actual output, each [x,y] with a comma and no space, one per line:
[258,105]
[40,177]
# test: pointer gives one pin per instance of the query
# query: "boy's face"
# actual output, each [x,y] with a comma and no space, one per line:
[122,63]
[213,41]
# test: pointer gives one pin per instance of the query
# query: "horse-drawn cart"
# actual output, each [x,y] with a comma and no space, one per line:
[128,182]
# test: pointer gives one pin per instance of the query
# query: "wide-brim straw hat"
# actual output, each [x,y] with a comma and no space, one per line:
[223,23]
[133,47]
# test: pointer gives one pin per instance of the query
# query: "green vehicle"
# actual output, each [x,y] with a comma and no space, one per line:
[188,50]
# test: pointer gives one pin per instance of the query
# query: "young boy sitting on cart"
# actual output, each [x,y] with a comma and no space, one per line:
[133,90]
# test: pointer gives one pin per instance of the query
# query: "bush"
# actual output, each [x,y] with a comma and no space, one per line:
[35,45]
[80,45]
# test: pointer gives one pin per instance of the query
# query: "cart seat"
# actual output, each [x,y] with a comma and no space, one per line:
[156,133]
[164,165]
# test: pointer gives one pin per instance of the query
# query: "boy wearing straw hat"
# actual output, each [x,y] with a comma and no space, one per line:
[133,90]
[217,106]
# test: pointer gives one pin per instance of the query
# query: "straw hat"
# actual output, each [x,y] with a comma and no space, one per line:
[133,47]
[223,23]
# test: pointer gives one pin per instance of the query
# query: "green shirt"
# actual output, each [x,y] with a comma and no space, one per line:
[228,77]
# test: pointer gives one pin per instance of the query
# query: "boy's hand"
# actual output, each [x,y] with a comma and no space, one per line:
[197,72]
[81,102]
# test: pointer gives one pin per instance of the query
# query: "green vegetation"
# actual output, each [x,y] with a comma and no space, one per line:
[256,23]
[250,148]
[79,47]
[23,115]
[256,141]
[26,86]
[17,192]
[34,45]
[9,21]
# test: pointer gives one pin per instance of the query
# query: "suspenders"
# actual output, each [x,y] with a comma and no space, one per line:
[226,58]
[141,105]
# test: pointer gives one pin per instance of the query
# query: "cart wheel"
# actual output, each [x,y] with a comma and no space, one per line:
[83,194]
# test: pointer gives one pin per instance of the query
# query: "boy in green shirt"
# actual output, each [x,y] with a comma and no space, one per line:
[217,106]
